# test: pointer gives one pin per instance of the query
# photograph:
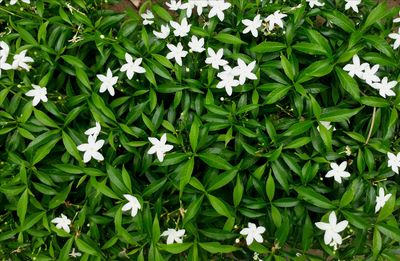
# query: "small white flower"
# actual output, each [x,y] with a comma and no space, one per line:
[253,233]
[381,199]
[181,29]
[91,149]
[353,4]
[38,93]
[4,51]
[396,37]
[173,235]
[338,172]
[200,4]
[332,229]
[252,25]
[188,7]
[147,18]
[356,68]
[174,5]
[196,45]
[176,53]
[133,204]
[94,131]
[228,80]
[385,87]
[397,20]
[13,2]
[215,58]
[159,147]
[21,60]
[275,19]
[369,74]
[217,9]
[245,71]
[74,254]
[315,2]
[394,161]
[107,82]
[62,223]
[163,33]
[131,67]
[327,125]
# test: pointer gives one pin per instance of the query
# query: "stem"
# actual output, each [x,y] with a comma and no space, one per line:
[372,126]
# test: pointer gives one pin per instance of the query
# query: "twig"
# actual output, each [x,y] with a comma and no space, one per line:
[372,126]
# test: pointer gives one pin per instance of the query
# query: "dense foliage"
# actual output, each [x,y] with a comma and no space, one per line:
[249,167]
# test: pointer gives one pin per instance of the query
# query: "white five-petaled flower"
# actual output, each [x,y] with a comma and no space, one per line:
[38,93]
[385,87]
[174,5]
[13,2]
[181,29]
[356,68]
[253,232]
[74,254]
[381,199]
[147,17]
[94,131]
[159,147]
[326,124]
[173,235]
[62,222]
[315,2]
[4,51]
[107,82]
[396,37]
[332,229]
[275,19]
[188,7]
[21,60]
[200,4]
[394,161]
[217,9]
[131,67]
[196,45]
[176,53]
[245,71]
[338,171]
[133,204]
[353,4]
[163,33]
[91,149]
[369,74]
[252,25]
[228,80]
[215,58]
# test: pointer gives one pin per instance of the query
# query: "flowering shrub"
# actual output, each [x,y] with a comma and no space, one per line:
[199,130]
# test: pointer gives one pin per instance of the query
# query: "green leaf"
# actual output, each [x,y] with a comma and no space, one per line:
[228,39]
[74,61]
[338,115]
[175,248]
[215,161]
[270,187]
[43,151]
[277,94]
[87,248]
[22,206]
[26,36]
[219,206]
[70,146]
[341,20]
[194,135]
[348,83]
[298,128]
[387,209]
[288,67]
[376,242]
[238,191]
[162,13]
[193,209]
[314,198]
[378,13]
[222,179]
[186,173]
[374,101]
[60,197]
[44,119]
[280,174]
[216,247]
[356,220]
[389,231]
[268,47]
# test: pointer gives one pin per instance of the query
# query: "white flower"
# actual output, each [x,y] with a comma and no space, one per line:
[338,171]
[396,37]
[173,235]
[133,204]
[188,7]
[315,2]
[397,20]
[253,233]
[62,223]
[332,229]
[245,71]
[394,161]
[176,53]
[228,79]
[38,93]
[20,61]
[353,4]
[94,131]
[4,51]
[326,124]
[91,149]
[159,147]
[356,68]
[107,82]
[200,4]
[174,5]
[147,17]
[13,2]
[385,87]
[74,254]
[381,199]
[164,32]
[252,25]
[196,45]
[215,58]
[181,29]
[131,67]
[217,9]
[369,74]
[275,19]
